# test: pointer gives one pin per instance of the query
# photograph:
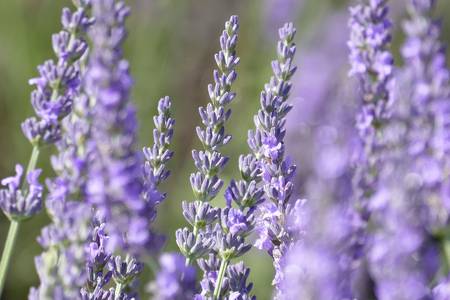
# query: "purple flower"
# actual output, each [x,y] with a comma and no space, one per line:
[267,144]
[372,65]
[59,81]
[21,200]
[319,266]
[61,266]
[409,207]
[428,80]
[175,280]
[98,263]
[442,290]
[159,154]
[234,221]
[115,182]
[214,231]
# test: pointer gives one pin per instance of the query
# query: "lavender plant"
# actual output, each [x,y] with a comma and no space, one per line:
[267,143]
[56,88]
[104,197]
[372,64]
[413,210]
[215,231]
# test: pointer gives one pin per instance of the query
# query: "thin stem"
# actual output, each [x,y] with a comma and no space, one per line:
[446,254]
[14,226]
[33,159]
[223,267]
[7,252]
[118,291]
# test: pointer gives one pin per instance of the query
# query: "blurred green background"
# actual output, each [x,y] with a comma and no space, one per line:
[170,47]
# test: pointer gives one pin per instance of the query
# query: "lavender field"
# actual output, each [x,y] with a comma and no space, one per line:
[232,150]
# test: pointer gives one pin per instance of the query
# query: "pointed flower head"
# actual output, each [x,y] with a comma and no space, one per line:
[21,203]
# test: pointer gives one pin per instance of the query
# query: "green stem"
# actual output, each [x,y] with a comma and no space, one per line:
[118,291]
[223,268]
[33,160]
[7,252]
[446,254]
[14,226]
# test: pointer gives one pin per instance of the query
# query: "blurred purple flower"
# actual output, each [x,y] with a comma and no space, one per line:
[115,180]
[175,280]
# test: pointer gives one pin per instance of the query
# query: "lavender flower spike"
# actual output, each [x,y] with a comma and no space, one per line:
[207,235]
[115,180]
[61,266]
[429,76]
[59,81]
[412,202]
[209,162]
[267,144]
[159,154]
[56,87]
[19,204]
[372,63]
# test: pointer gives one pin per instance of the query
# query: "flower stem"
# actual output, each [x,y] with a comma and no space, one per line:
[33,160]
[14,226]
[223,268]
[118,291]
[7,252]
[446,254]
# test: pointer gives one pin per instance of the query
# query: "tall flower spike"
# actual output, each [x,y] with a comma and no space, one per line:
[372,64]
[267,144]
[206,183]
[115,180]
[61,266]
[429,76]
[157,156]
[410,206]
[59,81]
[56,88]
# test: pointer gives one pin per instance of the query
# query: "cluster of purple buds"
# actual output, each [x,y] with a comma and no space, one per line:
[429,80]
[175,280]
[156,157]
[56,88]
[267,143]
[109,276]
[206,183]
[410,206]
[18,203]
[59,81]
[372,64]
[115,179]
[218,233]
[61,266]
[52,100]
